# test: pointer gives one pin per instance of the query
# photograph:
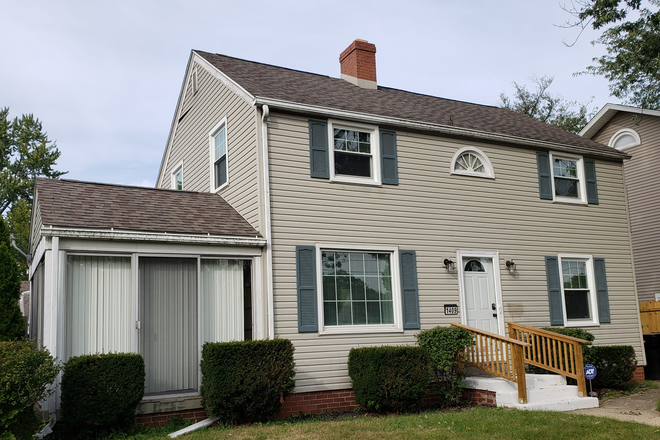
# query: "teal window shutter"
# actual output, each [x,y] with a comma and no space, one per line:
[545,178]
[318,149]
[601,291]
[590,177]
[306,279]
[388,160]
[554,290]
[409,291]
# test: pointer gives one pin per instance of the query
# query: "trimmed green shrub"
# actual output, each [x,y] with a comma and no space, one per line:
[246,381]
[102,391]
[12,325]
[574,332]
[25,376]
[614,364]
[389,378]
[445,347]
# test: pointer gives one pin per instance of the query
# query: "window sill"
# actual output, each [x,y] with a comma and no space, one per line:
[483,176]
[359,330]
[223,186]
[581,324]
[354,181]
[568,201]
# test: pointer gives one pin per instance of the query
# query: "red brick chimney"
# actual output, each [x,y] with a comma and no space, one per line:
[358,64]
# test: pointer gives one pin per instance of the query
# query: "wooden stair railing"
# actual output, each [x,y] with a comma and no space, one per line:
[498,355]
[549,350]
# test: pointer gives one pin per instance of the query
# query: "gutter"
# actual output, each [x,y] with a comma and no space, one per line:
[444,129]
[111,234]
[267,226]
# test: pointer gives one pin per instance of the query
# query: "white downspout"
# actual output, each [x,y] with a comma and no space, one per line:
[267,229]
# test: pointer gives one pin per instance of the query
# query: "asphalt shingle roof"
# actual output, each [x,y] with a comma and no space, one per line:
[87,205]
[278,83]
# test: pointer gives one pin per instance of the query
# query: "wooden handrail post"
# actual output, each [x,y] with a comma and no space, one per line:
[579,370]
[519,367]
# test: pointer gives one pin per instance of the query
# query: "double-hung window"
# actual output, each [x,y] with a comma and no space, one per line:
[355,153]
[177,178]
[218,143]
[578,289]
[567,178]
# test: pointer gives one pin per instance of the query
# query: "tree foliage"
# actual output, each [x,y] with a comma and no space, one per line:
[542,105]
[12,325]
[631,37]
[18,221]
[25,153]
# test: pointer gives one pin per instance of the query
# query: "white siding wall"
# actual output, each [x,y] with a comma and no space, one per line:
[436,214]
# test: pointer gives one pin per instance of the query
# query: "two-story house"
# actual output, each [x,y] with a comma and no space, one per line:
[355,215]
[636,132]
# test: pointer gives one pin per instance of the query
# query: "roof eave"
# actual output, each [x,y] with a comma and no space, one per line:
[607,113]
[163,237]
[439,128]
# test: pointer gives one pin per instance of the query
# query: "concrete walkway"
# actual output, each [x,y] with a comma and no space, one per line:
[640,408]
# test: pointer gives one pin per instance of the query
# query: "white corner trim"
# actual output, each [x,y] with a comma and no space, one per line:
[104,234]
[38,255]
[489,174]
[623,132]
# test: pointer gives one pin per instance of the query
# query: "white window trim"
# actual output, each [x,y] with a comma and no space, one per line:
[625,131]
[375,178]
[396,292]
[212,133]
[495,256]
[194,80]
[582,184]
[178,168]
[488,173]
[591,279]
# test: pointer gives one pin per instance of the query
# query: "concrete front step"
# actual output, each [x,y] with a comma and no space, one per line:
[547,392]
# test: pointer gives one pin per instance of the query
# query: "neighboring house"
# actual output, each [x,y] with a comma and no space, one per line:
[636,132]
[382,212]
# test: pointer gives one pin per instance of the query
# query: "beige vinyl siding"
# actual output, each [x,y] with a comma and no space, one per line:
[436,214]
[211,104]
[643,188]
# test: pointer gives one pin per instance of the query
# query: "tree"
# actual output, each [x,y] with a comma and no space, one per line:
[18,222]
[546,107]
[12,325]
[631,37]
[25,153]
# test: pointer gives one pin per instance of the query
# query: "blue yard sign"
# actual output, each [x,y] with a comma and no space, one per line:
[589,371]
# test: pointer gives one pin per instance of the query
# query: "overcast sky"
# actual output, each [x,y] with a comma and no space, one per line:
[104,77]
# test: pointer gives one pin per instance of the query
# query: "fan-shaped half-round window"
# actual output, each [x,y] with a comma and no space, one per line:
[474,266]
[471,161]
[625,138]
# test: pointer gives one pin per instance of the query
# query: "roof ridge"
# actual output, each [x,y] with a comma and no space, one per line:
[121,185]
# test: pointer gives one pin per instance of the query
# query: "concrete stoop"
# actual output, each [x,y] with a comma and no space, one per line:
[545,392]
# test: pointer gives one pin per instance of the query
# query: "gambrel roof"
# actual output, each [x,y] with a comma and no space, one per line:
[267,83]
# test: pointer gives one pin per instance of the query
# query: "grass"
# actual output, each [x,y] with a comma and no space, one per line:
[626,389]
[473,423]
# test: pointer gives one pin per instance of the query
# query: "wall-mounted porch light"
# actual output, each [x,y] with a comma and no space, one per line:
[448,264]
[510,265]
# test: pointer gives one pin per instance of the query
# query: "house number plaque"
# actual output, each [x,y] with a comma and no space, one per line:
[451,309]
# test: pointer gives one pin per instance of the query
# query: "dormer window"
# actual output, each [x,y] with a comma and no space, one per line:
[471,161]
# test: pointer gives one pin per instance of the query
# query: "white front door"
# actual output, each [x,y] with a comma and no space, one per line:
[480,299]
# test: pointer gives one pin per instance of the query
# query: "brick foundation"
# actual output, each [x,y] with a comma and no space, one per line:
[480,397]
[318,402]
[638,374]
[161,419]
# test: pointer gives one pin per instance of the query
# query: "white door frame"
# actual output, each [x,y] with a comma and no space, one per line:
[495,256]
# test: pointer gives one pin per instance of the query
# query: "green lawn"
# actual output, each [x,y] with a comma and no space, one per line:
[476,423]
